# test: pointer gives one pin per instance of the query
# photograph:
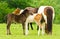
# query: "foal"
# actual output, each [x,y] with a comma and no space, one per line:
[34,11]
[17,18]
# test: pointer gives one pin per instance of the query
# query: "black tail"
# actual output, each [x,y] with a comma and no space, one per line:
[5,18]
[49,13]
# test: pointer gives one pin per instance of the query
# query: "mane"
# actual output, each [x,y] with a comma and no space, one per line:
[21,11]
[24,11]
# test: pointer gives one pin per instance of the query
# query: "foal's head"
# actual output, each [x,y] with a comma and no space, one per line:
[33,10]
[26,12]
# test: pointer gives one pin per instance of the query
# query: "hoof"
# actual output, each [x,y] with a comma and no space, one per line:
[8,33]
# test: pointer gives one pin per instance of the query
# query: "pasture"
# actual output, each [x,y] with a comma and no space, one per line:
[17,33]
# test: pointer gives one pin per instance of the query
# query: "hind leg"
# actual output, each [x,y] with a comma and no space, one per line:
[43,28]
[23,25]
[8,28]
[28,26]
[39,26]
[31,26]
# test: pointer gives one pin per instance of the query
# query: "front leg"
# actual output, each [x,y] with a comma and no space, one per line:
[26,28]
[37,27]
[31,26]
[23,25]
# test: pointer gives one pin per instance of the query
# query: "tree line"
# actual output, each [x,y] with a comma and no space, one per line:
[8,6]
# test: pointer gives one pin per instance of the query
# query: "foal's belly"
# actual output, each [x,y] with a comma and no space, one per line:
[30,19]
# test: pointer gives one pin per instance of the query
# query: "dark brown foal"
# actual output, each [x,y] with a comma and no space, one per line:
[17,18]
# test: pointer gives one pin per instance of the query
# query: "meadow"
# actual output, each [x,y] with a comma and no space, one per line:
[8,6]
[17,32]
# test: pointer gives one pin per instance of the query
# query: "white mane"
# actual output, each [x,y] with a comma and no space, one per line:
[20,12]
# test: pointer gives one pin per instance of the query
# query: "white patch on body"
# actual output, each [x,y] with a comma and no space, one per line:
[20,12]
[31,18]
[41,11]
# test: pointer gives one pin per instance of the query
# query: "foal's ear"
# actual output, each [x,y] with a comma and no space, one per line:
[26,10]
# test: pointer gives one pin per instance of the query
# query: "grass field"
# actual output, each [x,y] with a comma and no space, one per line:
[17,33]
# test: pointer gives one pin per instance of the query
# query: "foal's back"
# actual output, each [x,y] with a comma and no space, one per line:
[19,18]
[16,18]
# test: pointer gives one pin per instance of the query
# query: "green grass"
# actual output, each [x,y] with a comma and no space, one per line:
[17,32]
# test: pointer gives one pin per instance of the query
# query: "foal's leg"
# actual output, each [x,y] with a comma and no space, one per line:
[43,28]
[31,26]
[26,28]
[39,31]
[23,25]
[39,25]
[8,27]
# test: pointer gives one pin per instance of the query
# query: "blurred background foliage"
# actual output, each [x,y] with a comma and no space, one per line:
[8,6]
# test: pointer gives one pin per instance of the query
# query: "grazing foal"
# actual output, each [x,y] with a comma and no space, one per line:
[44,16]
[17,18]
[34,11]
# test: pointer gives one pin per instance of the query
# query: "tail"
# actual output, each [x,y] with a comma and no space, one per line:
[5,18]
[49,13]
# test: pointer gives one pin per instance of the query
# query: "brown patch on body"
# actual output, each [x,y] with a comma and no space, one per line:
[38,18]
[17,11]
